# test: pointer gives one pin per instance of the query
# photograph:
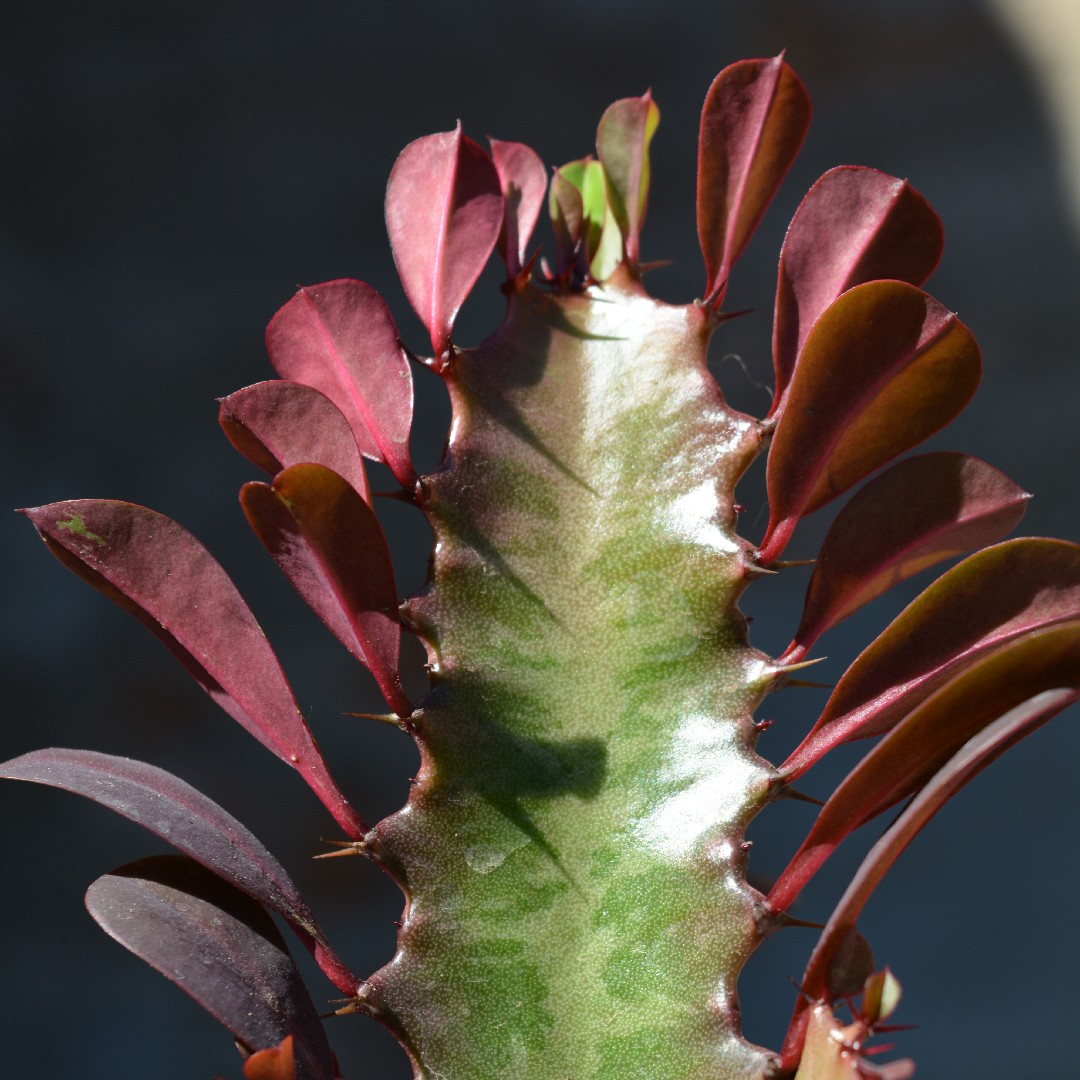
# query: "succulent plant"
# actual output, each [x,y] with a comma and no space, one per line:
[572,852]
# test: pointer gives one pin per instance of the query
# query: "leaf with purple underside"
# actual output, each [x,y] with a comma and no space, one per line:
[753,122]
[277,423]
[971,759]
[330,545]
[157,571]
[854,225]
[622,144]
[990,598]
[923,741]
[918,513]
[340,338]
[192,823]
[883,368]
[218,946]
[524,184]
[444,212]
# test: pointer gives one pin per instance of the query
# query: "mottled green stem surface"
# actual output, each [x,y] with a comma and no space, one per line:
[577,907]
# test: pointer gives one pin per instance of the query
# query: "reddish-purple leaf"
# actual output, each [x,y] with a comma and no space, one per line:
[923,741]
[753,122]
[193,824]
[524,182]
[276,424]
[330,545]
[920,512]
[444,211]
[218,946]
[854,225]
[883,368]
[974,756]
[157,571]
[990,598]
[340,338]
[622,144]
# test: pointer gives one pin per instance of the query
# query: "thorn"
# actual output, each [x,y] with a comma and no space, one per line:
[764,725]
[787,564]
[383,718]
[809,683]
[348,847]
[788,792]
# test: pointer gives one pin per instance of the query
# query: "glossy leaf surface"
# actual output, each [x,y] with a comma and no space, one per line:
[330,545]
[975,755]
[884,367]
[854,225]
[444,212]
[920,512]
[753,122]
[278,423]
[218,946]
[340,338]
[622,143]
[157,571]
[987,600]
[924,740]
[192,823]
[524,184]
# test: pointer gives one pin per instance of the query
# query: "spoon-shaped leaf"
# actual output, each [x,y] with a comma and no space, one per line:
[990,598]
[974,756]
[622,144]
[192,823]
[524,182]
[883,368]
[924,740]
[340,338]
[330,545]
[157,571]
[854,225]
[218,946]
[752,124]
[567,214]
[918,513]
[276,424]
[444,212]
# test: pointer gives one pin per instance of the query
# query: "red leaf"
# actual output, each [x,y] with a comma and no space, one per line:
[157,571]
[218,946]
[884,367]
[330,545]
[524,182]
[340,338]
[975,755]
[444,212]
[277,424]
[622,144]
[922,742]
[193,824]
[752,125]
[854,225]
[918,513]
[273,1063]
[987,600]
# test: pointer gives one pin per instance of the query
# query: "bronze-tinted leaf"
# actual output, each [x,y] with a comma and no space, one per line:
[752,124]
[276,424]
[524,182]
[330,545]
[992,597]
[918,513]
[218,946]
[854,225]
[622,144]
[340,338]
[883,368]
[444,212]
[193,824]
[157,571]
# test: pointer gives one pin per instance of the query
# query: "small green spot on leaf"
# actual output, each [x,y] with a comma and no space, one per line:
[75,524]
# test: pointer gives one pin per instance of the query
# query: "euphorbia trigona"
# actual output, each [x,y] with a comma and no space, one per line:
[572,851]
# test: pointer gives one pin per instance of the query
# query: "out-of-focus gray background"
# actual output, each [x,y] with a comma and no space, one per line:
[172,171]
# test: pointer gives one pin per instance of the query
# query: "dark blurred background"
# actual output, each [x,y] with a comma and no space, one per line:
[171,172]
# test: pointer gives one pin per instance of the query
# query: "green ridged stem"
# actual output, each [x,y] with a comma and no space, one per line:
[577,908]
